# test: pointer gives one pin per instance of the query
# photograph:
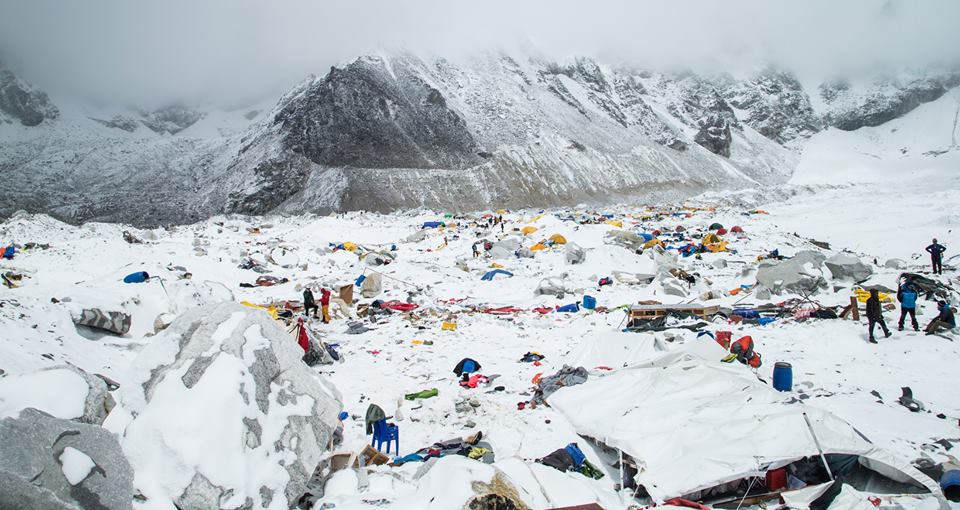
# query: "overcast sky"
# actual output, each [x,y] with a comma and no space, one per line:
[231,50]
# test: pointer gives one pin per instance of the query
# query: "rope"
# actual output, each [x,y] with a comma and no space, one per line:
[745,494]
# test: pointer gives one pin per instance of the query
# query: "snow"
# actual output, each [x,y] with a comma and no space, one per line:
[59,392]
[76,465]
[892,205]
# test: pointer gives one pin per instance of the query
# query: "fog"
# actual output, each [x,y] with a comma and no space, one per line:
[230,51]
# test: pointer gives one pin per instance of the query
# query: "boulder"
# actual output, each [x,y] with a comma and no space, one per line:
[624,238]
[848,267]
[575,254]
[52,463]
[99,401]
[800,273]
[720,264]
[895,264]
[372,285]
[225,414]
[65,392]
[674,287]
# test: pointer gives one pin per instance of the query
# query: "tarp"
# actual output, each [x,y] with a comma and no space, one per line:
[491,274]
[614,349]
[691,422]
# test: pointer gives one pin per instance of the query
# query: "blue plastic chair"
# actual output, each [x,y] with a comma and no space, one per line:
[384,432]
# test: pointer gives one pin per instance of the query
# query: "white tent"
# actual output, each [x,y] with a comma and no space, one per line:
[692,423]
[614,349]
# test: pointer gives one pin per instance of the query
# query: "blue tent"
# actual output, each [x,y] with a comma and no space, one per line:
[571,308]
[645,236]
[490,274]
[8,252]
[433,224]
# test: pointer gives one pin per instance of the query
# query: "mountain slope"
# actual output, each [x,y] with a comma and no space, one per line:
[396,131]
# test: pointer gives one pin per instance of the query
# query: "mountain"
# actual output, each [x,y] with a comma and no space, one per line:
[397,131]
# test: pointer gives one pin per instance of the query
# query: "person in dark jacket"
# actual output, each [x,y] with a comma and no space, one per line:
[907,297]
[875,315]
[944,322]
[308,302]
[936,256]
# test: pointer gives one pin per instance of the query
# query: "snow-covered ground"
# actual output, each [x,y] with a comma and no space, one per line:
[894,203]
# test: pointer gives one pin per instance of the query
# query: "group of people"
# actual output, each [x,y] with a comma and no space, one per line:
[907,296]
[309,303]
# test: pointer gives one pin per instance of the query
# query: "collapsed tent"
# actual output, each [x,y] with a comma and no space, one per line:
[614,349]
[490,275]
[114,322]
[690,423]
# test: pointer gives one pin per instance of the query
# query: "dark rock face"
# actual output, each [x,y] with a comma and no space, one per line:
[170,119]
[776,106]
[32,474]
[360,116]
[20,102]
[119,122]
[714,135]
[887,100]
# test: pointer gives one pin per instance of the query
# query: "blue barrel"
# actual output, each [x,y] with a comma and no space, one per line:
[589,302]
[782,376]
[950,484]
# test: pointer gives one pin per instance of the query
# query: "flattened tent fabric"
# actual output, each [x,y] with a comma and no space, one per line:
[614,349]
[715,423]
[651,243]
[615,223]
[711,238]
[491,274]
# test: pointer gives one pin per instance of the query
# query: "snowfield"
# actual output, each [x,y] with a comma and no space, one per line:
[898,190]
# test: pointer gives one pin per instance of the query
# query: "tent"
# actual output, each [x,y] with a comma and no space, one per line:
[711,238]
[651,243]
[737,229]
[349,246]
[615,223]
[558,239]
[690,423]
[538,247]
[721,231]
[433,224]
[715,226]
[614,349]
[529,229]
[491,274]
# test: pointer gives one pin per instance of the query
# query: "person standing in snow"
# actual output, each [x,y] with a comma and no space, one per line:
[308,302]
[476,249]
[325,304]
[936,256]
[907,297]
[875,315]
[944,322]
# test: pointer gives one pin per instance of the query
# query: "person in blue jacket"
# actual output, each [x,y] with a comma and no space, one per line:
[936,256]
[944,322]
[907,297]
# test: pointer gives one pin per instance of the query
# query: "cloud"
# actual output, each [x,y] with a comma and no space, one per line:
[232,50]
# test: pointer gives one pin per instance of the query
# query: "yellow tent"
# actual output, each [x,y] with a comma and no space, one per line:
[615,223]
[271,310]
[349,246]
[717,247]
[538,247]
[496,265]
[529,229]
[651,243]
[863,295]
[501,211]
[558,239]
[711,238]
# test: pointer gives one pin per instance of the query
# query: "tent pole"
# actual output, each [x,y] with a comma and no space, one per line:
[819,449]
[620,454]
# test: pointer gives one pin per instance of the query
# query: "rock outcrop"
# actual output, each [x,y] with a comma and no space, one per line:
[51,463]
[19,102]
[222,388]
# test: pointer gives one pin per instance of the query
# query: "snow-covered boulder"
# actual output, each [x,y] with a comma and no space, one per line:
[843,266]
[575,254]
[224,414]
[284,257]
[895,264]
[52,463]
[65,392]
[800,273]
